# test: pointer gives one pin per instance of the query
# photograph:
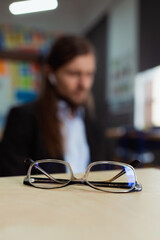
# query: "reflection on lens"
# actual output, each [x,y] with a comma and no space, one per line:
[111,177]
[44,174]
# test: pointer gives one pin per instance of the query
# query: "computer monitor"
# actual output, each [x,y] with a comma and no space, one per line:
[147,99]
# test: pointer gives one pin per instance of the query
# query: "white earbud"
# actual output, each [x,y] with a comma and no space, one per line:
[52,79]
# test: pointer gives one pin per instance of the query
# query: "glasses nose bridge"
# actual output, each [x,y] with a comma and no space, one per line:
[81,179]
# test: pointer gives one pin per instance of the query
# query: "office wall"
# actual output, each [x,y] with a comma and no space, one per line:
[97,35]
[122,61]
[117,47]
[149,49]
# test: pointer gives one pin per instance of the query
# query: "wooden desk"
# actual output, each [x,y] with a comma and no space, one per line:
[80,212]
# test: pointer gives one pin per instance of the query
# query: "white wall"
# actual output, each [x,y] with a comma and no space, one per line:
[122,54]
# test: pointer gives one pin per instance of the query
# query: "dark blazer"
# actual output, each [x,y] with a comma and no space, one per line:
[23,138]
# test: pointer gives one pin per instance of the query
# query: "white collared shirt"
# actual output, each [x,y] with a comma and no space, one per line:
[77,152]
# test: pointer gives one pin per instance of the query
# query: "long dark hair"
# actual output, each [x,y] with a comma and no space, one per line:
[64,49]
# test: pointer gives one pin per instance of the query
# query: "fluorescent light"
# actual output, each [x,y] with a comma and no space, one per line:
[31,6]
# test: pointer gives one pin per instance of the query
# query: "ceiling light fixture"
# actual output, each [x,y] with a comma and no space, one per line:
[31,6]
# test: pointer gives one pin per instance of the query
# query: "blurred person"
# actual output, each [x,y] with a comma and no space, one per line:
[61,123]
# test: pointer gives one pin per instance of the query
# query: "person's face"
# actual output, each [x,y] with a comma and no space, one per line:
[75,79]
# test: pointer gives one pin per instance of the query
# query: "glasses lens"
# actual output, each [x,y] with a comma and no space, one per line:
[44,174]
[111,177]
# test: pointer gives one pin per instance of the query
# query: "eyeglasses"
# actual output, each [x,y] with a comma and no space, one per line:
[107,176]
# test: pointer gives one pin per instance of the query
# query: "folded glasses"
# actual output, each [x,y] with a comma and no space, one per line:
[107,176]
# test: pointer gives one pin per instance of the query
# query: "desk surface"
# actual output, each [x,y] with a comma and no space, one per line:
[80,212]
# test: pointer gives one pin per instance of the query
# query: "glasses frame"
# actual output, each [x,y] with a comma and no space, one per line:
[28,180]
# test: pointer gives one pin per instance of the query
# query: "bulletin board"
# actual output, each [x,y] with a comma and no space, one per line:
[20,79]
[24,38]
[19,83]
[120,84]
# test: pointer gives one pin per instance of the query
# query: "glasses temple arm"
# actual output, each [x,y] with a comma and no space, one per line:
[29,160]
[102,184]
[138,187]
[134,164]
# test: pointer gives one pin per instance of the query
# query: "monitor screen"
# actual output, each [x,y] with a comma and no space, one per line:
[147,99]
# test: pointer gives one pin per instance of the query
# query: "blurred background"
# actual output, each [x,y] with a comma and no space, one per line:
[126,36]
